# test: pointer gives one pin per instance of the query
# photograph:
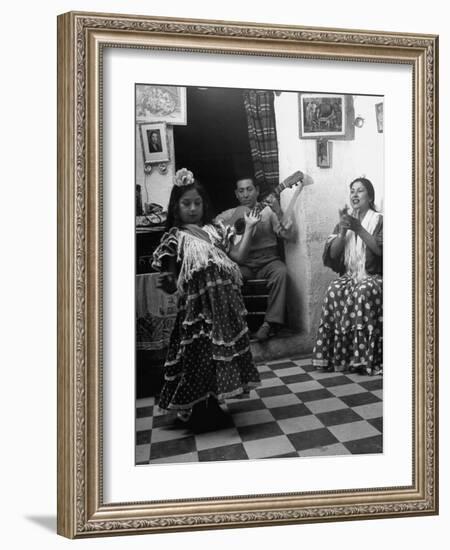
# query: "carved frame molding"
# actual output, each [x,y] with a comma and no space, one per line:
[81,38]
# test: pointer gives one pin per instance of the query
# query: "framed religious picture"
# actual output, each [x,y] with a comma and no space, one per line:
[379,116]
[159,103]
[322,115]
[323,151]
[225,362]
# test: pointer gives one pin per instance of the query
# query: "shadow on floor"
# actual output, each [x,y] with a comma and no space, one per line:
[47,522]
[287,343]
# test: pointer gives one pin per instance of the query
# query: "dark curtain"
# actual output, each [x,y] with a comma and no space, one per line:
[262,133]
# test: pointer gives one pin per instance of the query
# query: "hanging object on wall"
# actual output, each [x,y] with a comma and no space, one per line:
[326,116]
[359,122]
[147,168]
[322,115]
[323,153]
[154,142]
[162,168]
[161,104]
[379,117]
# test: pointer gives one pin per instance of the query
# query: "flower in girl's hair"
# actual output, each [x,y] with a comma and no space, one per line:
[184,177]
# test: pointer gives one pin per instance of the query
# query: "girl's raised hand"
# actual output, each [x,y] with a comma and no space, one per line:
[252,218]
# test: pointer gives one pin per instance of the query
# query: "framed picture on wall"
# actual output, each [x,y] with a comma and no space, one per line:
[379,116]
[323,152]
[154,142]
[159,103]
[262,469]
[322,115]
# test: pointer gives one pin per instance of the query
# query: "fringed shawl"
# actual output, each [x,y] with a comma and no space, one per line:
[195,253]
[355,247]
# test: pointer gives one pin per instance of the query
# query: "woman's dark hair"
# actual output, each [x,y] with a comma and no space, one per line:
[173,214]
[369,188]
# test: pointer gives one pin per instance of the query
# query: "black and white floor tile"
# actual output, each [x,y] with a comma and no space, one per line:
[297,411]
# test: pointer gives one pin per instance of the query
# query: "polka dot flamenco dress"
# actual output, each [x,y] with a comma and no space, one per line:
[350,332]
[209,349]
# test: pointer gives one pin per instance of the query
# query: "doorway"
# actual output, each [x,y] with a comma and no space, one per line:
[214,144]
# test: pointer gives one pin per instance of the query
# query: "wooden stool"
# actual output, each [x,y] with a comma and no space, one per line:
[256,294]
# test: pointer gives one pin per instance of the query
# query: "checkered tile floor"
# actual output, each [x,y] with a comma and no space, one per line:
[297,411]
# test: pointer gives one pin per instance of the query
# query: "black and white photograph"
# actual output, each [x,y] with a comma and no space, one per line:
[154,142]
[259,280]
[247,274]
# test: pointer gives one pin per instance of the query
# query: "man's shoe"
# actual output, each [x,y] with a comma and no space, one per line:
[263,332]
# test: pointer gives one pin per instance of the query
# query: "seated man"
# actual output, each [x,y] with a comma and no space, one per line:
[263,260]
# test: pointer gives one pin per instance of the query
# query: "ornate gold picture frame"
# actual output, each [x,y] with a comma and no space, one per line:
[83,510]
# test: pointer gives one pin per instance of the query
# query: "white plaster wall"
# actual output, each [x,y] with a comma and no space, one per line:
[316,210]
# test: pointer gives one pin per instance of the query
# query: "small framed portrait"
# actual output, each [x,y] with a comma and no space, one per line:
[379,116]
[154,142]
[161,104]
[323,153]
[322,115]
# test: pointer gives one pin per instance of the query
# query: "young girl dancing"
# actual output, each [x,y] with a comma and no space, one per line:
[209,355]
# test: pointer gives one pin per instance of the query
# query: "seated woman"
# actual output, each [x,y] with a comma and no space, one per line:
[350,333]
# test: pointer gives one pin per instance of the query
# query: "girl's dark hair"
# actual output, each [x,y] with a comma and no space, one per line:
[173,213]
[369,188]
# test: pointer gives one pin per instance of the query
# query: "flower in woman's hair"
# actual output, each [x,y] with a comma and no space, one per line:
[184,177]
